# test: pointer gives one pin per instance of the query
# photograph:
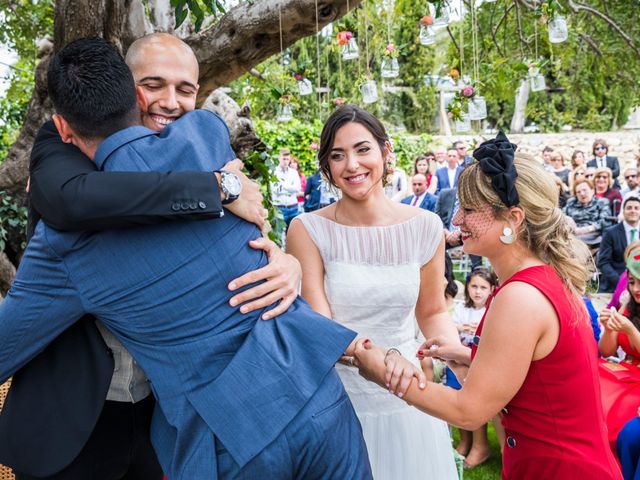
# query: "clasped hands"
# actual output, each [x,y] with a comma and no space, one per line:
[389,369]
[614,321]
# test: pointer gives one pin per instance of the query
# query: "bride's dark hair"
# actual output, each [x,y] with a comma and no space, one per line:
[340,117]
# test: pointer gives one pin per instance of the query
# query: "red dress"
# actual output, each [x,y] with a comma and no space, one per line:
[620,385]
[554,425]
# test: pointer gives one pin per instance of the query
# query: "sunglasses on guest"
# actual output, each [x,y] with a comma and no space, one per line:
[600,147]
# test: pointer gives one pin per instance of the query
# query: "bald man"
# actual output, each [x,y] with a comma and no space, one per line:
[421,198]
[82,408]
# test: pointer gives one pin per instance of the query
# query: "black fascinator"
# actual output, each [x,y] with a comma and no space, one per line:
[496,161]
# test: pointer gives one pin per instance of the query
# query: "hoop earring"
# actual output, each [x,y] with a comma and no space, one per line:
[508,236]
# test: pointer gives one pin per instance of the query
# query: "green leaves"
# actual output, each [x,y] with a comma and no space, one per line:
[12,217]
[199,10]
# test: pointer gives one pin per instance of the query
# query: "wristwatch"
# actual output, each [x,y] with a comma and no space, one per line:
[230,186]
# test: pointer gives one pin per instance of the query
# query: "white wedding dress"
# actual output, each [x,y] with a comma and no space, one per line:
[372,280]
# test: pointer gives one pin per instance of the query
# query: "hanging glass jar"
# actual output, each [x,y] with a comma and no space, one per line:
[305,87]
[285,114]
[389,68]
[427,35]
[441,20]
[477,108]
[558,30]
[464,125]
[350,51]
[369,91]
[431,80]
[538,83]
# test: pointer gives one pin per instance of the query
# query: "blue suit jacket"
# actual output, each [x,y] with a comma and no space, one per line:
[218,375]
[611,256]
[312,193]
[428,202]
[443,178]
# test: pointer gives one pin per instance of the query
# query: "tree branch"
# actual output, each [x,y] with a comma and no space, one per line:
[592,44]
[577,7]
[226,51]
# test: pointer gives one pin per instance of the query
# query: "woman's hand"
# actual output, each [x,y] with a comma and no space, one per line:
[444,348]
[387,368]
[619,323]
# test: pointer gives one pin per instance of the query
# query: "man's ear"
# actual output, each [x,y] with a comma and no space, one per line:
[142,100]
[64,129]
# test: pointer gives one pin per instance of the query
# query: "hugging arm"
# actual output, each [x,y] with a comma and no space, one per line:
[40,305]
[68,191]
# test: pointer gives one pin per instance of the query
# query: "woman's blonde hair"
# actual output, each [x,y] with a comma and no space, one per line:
[545,230]
[604,170]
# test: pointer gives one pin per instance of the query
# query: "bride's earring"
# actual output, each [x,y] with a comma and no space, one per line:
[508,236]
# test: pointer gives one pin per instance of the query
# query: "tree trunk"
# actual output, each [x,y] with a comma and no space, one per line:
[247,35]
[520,109]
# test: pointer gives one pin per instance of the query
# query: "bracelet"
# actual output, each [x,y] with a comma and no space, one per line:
[391,350]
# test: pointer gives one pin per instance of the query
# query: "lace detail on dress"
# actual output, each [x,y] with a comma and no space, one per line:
[413,241]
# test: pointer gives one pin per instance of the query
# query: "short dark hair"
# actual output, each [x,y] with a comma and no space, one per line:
[547,149]
[630,198]
[484,273]
[92,88]
[340,117]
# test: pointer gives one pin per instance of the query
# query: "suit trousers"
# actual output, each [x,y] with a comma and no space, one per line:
[119,447]
[324,441]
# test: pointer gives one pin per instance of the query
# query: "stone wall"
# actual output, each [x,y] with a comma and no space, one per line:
[624,144]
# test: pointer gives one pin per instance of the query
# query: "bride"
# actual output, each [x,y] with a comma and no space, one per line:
[377,266]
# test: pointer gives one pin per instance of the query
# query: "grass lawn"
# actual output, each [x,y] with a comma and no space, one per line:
[490,470]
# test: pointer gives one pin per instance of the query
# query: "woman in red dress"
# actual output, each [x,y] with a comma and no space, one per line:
[534,357]
[621,381]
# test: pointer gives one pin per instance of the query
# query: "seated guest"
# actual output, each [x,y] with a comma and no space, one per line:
[631,186]
[575,175]
[558,167]
[563,195]
[628,448]
[421,198]
[620,382]
[577,159]
[605,189]
[590,213]
[426,165]
[621,294]
[615,239]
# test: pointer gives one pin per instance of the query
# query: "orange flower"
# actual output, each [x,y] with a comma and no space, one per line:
[342,38]
[426,21]
[455,73]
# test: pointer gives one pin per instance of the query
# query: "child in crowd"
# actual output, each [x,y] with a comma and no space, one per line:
[480,284]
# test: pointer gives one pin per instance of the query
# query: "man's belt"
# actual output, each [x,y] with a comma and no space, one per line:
[287,206]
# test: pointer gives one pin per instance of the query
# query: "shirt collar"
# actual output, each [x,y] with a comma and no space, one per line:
[117,140]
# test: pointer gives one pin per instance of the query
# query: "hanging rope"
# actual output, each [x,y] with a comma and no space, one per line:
[281,43]
[535,36]
[474,39]
[366,35]
[461,38]
[389,15]
[318,62]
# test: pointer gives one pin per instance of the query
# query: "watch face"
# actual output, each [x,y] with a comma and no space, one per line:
[232,184]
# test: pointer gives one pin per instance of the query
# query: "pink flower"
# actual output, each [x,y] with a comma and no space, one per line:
[450,114]
[314,146]
[297,76]
[342,38]
[467,91]
[339,101]
[390,48]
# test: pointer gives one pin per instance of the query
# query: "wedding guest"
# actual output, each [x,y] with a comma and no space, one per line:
[479,286]
[448,176]
[421,198]
[441,156]
[563,195]
[461,148]
[546,158]
[397,185]
[605,188]
[425,165]
[590,213]
[631,186]
[575,175]
[611,259]
[286,188]
[621,381]
[602,159]
[577,159]
[620,295]
[295,164]
[533,356]
[556,161]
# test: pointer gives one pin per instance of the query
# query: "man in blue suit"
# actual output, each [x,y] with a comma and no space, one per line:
[448,176]
[611,261]
[421,198]
[237,397]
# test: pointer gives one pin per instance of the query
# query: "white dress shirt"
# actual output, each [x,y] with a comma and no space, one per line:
[285,190]
[452,176]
